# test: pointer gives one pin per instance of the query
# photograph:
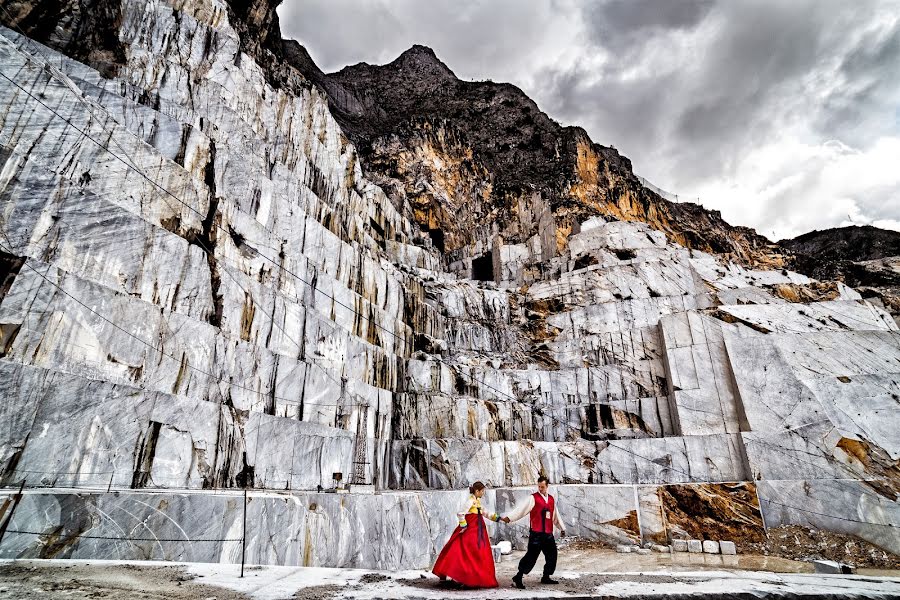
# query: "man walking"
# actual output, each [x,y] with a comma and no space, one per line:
[541,508]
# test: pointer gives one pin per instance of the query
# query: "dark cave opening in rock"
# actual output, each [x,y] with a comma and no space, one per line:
[483,267]
[437,238]
[624,253]
[10,265]
[584,261]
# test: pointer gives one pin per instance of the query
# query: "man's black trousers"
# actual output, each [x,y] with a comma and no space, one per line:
[539,542]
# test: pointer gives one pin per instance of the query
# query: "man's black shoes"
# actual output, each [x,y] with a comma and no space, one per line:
[517,579]
[546,579]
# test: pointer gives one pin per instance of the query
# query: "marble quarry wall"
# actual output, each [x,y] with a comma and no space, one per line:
[201,292]
[314,529]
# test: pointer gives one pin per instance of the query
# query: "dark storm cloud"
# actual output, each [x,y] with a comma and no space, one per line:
[619,22]
[739,74]
[870,75]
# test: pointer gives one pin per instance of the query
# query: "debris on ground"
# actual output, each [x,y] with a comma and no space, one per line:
[319,592]
[801,543]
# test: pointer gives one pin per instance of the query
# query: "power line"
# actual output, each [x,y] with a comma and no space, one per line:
[282,268]
[812,512]
[130,164]
[211,376]
[175,197]
[332,298]
[120,539]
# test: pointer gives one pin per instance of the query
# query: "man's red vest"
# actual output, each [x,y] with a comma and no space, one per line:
[542,513]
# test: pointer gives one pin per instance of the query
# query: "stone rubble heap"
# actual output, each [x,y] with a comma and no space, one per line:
[202,292]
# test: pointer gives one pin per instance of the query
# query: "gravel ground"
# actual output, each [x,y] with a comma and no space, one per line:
[568,585]
[119,582]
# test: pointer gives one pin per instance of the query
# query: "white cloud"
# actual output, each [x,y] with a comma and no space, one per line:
[787,187]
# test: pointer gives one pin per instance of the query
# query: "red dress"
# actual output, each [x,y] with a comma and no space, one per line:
[467,557]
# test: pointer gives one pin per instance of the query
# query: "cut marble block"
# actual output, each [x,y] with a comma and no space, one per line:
[102,242]
[774,368]
[810,398]
[710,547]
[728,548]
[613,509]
[733,276]
[559,402]
[306,529]
[702,392]
[616,317]
[844,506]
[862,407]
[617,235]
[454,463]
[695,546]
[652,515]
[83,432]
[836,315]
[747,295]
[680,545]
[831,567]
[817,451]
[669,275]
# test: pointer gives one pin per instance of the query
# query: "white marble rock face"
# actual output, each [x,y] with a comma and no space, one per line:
[223,300]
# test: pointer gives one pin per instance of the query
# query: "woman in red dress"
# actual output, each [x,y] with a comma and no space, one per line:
[467,557]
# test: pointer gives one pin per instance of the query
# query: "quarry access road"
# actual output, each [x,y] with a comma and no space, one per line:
[52,579]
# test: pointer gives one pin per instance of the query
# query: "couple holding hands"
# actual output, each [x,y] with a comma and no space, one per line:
[467,557]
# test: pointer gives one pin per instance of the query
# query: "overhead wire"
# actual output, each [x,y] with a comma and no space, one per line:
[277,266]
[455,368]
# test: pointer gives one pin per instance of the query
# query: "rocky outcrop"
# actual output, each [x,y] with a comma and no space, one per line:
[430,139]
[86,30]
[863,257]
[206,287]
[855,244]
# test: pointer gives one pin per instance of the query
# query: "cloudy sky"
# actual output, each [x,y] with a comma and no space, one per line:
[783,114]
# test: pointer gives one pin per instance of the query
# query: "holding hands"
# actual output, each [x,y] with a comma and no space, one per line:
[505,519]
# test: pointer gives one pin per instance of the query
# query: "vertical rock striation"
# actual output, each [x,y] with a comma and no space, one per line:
[222,269]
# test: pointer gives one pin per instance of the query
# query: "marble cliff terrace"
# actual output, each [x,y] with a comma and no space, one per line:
[223,269]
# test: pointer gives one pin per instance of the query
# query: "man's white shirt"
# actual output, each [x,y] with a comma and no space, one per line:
[525,509]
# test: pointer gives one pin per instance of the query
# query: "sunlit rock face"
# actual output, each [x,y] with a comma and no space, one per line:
[206,287]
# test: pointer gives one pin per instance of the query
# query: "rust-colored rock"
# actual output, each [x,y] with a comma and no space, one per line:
[485,148]
[628,523]
[883,473]
[713,511]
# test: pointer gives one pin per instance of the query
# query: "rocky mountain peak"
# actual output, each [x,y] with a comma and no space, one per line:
[861,256]
[424,63]
[419,63]
[434,141]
